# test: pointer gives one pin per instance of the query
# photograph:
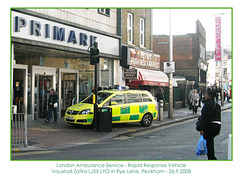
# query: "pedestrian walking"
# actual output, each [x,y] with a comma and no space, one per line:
[190,98]
[195,101]
[229,94]
[209,123]
[52,106]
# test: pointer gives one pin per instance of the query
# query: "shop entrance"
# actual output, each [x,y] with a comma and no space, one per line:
[43,80]
[43,84]
[19,95]
[68,89]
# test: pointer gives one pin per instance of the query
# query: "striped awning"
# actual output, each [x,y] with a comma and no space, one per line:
[150,78]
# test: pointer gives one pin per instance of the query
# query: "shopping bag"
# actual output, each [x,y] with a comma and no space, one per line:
[55,105]
[201,146]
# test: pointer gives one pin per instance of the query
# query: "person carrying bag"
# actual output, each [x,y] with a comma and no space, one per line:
[209,123]
[201,146]
[52,106]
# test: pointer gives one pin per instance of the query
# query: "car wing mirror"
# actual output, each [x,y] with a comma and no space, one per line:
[113,103]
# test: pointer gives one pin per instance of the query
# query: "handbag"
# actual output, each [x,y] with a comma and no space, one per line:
[55,105]
[201,146]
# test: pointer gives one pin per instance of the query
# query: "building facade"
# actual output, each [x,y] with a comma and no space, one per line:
[50,50]
[189,54]
[137,54]
[215,69]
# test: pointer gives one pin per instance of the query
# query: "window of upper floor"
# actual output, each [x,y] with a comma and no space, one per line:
[142,32]
[105,12]
[130,28]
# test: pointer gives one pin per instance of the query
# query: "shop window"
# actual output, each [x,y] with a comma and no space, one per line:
[133,98]
[106,73]
[130,28]
[105,12]
[85,84]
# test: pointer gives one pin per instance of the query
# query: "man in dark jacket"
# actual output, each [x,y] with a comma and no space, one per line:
[160,96]
[210,122]
[52,106]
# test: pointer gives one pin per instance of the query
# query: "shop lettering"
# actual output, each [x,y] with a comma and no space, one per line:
[59,33]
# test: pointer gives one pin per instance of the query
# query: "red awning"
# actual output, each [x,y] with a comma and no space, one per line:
[150,78]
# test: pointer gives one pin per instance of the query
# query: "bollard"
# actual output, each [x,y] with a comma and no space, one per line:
[230,147]
[160,110]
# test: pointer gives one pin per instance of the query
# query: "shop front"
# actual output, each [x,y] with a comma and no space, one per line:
[147,65]
[48,54]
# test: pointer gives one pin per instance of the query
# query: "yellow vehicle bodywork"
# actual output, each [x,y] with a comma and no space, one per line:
[125,112]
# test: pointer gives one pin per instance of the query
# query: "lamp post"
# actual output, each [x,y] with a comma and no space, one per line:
[170,103]
[170,84]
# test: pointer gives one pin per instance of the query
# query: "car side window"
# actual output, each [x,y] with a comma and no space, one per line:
[119,99]
[133,97]
[146,98]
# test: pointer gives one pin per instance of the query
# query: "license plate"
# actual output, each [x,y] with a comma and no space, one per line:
[69,117]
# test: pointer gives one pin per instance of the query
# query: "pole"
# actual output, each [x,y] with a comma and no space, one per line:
[230,147]
[95,122]
[222,88]
[170,102]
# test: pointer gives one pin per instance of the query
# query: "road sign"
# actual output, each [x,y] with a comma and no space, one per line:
[169,67]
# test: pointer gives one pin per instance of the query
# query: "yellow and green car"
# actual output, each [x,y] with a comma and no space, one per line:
[127,106]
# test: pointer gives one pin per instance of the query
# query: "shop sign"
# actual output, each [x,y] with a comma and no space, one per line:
[144,59]
[218,39]
[42,30]
[130,74]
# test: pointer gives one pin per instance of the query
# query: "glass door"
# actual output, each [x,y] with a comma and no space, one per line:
[43,84]
[43,79]
[19,97]
[69,90]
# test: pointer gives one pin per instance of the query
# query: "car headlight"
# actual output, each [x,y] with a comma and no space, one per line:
[85,111]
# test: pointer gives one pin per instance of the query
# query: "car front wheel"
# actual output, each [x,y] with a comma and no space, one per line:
[147,120]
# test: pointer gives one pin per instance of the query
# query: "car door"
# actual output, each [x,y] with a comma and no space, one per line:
[119,108]
[134,101]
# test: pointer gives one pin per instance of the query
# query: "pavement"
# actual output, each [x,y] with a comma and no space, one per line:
[50,136]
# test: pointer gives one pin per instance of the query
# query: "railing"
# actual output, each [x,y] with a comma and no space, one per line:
[19,129]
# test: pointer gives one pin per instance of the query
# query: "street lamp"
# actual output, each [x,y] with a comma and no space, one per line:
[170,84]
[170,103]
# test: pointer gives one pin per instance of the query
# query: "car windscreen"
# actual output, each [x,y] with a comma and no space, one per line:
[101,97]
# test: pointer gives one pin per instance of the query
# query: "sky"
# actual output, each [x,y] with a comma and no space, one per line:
[184,21]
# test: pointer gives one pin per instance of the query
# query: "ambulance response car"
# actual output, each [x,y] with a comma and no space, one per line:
[127,106]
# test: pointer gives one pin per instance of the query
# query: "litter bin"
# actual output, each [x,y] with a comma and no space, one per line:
[104,119]
[160,110]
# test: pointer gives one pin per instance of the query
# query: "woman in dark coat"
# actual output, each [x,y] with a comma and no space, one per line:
[52,106]
[209,123]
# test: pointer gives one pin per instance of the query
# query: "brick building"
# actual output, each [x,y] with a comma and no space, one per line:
[137,45]
[189,54]
[131,35]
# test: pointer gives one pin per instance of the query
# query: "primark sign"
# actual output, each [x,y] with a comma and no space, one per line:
[36,29]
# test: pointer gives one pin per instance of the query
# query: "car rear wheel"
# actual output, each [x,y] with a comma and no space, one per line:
[147,120]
